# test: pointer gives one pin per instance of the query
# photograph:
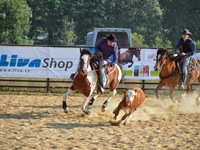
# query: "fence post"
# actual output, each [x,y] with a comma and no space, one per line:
[143,85]
[47,85]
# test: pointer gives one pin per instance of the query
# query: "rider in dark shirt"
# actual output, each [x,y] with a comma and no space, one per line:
[188,49]
[105,48]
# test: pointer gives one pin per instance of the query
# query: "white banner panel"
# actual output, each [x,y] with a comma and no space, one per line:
[61,62]
[38,62]
[143,68]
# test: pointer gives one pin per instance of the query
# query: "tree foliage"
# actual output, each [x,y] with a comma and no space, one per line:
[14,21]
[154,23]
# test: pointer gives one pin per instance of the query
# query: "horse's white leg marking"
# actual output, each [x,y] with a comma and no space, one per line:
[64,100]
[69,91]
[112,94]
[85,100]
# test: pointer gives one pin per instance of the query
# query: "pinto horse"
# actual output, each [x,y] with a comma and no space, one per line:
[86,81]
[170,74]
[127,56]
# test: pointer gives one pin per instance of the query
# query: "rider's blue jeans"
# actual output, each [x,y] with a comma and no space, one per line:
[186,61]
[101,71]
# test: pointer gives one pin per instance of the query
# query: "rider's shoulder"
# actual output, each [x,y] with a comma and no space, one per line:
[190,40]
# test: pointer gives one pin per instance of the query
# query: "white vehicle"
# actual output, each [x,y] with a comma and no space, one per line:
[123,36]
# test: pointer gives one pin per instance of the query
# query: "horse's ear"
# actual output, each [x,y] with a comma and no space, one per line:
[136,92]
[81,50]
[123,91]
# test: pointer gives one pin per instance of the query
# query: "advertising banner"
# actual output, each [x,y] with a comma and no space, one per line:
[38,62]
[61,62]
[139,63]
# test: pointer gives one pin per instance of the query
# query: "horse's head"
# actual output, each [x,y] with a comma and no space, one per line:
[136,52]
[84,61]
[162,58]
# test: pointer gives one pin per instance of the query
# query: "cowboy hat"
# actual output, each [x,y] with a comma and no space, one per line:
[186,31]
[112,38]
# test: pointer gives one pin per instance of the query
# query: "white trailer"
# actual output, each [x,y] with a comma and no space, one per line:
[123,36]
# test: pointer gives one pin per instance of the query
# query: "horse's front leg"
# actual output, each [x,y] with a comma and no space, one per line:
[189,87]
[171,91]
[131,63]
[84,106]
[160,85]
[64,105]
[112,94]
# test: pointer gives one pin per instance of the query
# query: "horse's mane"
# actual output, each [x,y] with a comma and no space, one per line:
[85,51]
[162,51]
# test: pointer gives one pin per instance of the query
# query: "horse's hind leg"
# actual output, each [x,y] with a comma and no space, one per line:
[112,94]
[92,100]
[64,105]
[198,98]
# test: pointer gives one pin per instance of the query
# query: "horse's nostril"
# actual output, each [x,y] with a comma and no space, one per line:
[139,59]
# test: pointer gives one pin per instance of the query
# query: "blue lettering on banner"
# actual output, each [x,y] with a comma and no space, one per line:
[18,62]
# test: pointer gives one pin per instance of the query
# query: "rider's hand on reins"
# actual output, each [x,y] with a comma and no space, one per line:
[183,54]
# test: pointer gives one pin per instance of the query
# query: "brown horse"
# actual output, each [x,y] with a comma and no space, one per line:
[86,81]
[127,56]
[193,73]
[170,74]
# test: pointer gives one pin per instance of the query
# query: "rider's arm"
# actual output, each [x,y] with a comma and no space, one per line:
[193,49]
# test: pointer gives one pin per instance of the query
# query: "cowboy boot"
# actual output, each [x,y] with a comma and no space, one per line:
[181,86]
[72,76]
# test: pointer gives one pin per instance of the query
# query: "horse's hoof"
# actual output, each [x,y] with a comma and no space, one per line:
[66,110]
[125,123]
[115,123]
[87,112]
[114,110]
[103,108]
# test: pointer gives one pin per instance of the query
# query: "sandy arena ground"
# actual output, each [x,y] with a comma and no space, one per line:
[38,122]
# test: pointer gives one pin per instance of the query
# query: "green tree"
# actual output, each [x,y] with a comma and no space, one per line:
[87,15]
[51,22]
[14,22]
